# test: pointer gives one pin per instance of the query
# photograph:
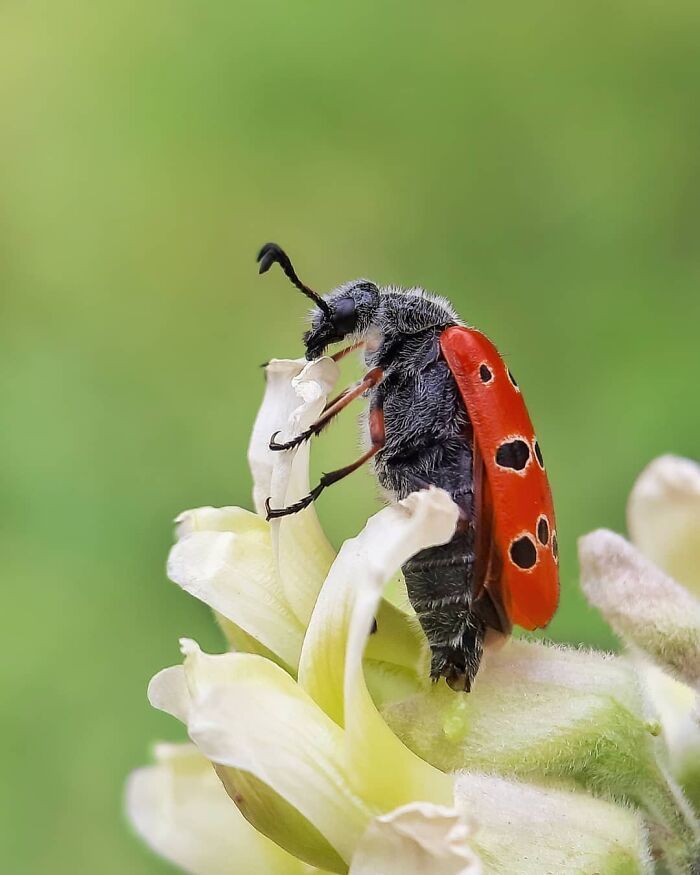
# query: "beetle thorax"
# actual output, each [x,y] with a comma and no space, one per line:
[361,311]
[406,328]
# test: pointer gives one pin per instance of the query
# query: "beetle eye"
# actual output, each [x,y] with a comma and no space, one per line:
[344,316]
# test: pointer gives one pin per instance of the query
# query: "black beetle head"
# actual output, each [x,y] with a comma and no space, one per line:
[349,312]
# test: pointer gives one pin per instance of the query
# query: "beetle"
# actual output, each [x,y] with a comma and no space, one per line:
[445,411]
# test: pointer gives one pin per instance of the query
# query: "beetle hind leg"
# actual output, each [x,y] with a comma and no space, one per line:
[273,513]
[376,420]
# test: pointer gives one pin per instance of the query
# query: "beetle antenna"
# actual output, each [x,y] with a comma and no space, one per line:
[271,253]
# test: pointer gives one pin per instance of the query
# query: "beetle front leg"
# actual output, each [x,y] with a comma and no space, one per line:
[371,379]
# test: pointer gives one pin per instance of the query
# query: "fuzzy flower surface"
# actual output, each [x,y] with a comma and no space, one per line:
[317,745]
[648,589]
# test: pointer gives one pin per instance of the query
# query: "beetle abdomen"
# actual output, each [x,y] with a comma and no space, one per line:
[428,443]
[439,585]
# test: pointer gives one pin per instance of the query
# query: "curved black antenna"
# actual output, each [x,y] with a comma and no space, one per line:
[271,253]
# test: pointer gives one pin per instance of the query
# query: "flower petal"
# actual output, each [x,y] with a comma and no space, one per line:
[330,669]
[215,519]
[663,516]
[168,692]
[241,641]
[302,551]
[531,830]
[642,604]
[224,558]
[279,402]
[181,810]
[398,640]
[284,755]
[417,839]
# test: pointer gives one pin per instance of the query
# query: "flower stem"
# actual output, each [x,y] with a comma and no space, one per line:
[674,829]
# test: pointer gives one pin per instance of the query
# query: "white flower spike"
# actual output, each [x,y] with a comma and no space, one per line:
[361,766]
[663,515]
[641,591]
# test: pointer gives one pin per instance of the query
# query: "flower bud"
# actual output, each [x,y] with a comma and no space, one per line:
[645,606]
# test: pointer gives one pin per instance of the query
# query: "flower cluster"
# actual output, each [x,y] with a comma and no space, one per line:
[318,746]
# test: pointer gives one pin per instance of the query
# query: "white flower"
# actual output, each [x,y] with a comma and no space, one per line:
[649,592]
[335,751]
[643,604]
[417,838]
[663,517]
[181,809]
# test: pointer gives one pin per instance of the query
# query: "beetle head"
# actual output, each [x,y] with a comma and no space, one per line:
[350,309]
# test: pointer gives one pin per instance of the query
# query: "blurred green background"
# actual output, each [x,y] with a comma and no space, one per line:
[537,163]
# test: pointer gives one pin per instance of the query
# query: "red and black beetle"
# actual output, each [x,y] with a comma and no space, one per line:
[444,410]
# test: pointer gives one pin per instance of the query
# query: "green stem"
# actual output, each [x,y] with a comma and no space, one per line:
[675,831]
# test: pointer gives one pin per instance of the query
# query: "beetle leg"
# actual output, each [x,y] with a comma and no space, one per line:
[370,380]
[326,480]
[337,356]
[376,430]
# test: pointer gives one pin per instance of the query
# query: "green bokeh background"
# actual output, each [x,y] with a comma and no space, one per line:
[537,163]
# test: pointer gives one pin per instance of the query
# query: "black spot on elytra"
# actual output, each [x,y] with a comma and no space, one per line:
[485,374]
[523,552]
[543,531]
[555,546]
[513,454]
[512,379]
[538,454]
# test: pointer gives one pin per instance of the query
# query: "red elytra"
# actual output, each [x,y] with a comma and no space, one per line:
[515,513]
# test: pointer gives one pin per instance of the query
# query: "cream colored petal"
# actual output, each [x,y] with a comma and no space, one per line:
[279,402]
[229,566]
[663,516]
[330,668]
[302,551]
[241,641]
[271,815]
[388,683]
[642,604]
[530,830]
[417,839]
[675,706]
[395,593]
[181,810]
[249,715]
[217,519]
[398,640]
[168,692]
